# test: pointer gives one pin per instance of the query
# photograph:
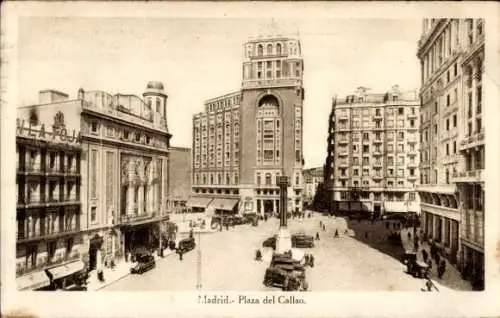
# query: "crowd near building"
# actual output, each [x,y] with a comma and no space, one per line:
[239,144]
[92,181]
[373,163]
[451,54]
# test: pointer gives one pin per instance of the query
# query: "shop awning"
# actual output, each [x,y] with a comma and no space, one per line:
[223,204]
[66,270]
[198,202]
[33,281]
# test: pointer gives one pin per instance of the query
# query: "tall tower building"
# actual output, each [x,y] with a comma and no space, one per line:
[245,140]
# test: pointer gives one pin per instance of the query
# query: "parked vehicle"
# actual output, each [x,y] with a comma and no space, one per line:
[279,277]
[185,245]
[417,269]
[278,259]
[301,240]
[270,242]
[144,263]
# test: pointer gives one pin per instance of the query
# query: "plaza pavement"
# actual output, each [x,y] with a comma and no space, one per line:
[227,262]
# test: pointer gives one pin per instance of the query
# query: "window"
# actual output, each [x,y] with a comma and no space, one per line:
[478,125]
[137,137]
[268,179]
[412,123]
[125,134]
[366,160]
[447,124]
[278,49]
[366,136]
[258,179]
[401,111]
[448,100]
[390,148]
[158,102]
[355,148]
[469,129]
[435,107]
[69,245]
[355,161]
[455,120]
[447,149]
[297,179]
[366,171]
[455,69]
[401,160]
[51,250]
[391,172]
[401,135]
[366,148]
[479,96]
[269,49]
[390,161]
[93,214]
[401,173]
[412,171]
[260,50]
[355,172]
[297,156]
[390,183]
[454,147]
[94,127]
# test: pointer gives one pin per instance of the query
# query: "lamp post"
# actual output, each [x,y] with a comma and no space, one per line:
[198,269]
[283,242]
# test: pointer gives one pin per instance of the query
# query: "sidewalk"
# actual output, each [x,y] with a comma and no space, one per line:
[121,270]
[451,278]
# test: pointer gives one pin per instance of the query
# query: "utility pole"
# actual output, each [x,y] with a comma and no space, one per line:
[198,270]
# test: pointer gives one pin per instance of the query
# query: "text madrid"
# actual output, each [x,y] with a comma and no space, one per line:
[282,299]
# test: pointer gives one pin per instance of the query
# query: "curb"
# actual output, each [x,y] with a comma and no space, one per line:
[125,275]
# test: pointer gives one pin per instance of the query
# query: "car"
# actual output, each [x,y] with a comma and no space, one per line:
[284,259]
[279,277]
[302,240]
[186,245]
[270,242]
[144,263]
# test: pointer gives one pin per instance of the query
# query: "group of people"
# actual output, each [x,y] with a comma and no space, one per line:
[309,259]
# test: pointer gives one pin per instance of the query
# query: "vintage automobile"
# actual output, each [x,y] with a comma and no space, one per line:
[284,259]
[144,263]
[301,240]
[185,245]
[417,269]
[279,277]
[270,242]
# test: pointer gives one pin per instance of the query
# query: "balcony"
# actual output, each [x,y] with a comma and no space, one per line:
[377,153]
[412,165]
[377,141]
[377,177]
[343,128]
[343,141]
[412,178]
[411,141]
[343,164]
[468,176]
[377,164]
[411,116]
[343,153]
[343,177]
[32,168]
[474,140]
[377,117]
[412,153]
[343,117]
[45,234]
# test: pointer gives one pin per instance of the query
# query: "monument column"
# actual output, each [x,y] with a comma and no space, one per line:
[283,242]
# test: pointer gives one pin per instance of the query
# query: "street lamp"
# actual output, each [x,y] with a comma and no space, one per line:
[198,269]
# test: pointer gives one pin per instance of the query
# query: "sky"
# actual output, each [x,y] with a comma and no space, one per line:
[201,58]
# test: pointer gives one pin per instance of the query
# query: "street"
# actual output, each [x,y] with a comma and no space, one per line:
[228,263]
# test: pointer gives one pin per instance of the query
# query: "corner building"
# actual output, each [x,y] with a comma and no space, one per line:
[374,167]
[451,54]
[245,140]
[124,166]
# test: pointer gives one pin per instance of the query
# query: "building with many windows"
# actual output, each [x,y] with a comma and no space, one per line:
[124,158]
[49,215]
[451,53]
[179,179]
[239,144]
[373,163]
[312,177]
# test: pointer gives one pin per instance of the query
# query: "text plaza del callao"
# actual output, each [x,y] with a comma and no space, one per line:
[105,202]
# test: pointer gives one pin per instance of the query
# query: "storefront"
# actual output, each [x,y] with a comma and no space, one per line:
[64,276]
[33,281]
[224,206]
[198,204]
[473,264]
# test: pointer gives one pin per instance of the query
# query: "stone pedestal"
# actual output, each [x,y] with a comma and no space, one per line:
[283,241]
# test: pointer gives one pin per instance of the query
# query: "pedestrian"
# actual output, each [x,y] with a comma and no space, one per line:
[409,235]
[441,268]
[320,223]
[180,255]
[425,255]
[428,284]
[336,233]
[324,227]
[306,259]
[311,260]
[317,236]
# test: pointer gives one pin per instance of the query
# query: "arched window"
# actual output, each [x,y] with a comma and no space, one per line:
[227,179]
[447,177]
[268,179]
[204,179]
[278,49]
[260,50]
[211,179]
[258,179]
[236,180]
[219,179]
[297,179]
[196,179]
[269,49]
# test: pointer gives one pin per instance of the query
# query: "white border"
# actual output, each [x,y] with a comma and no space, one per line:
[177,304]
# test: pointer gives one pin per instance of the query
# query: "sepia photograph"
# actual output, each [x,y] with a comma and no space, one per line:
[219,154]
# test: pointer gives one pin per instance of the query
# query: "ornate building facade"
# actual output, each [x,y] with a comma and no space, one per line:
[49,214]
[124,167]
[451,53]
[372,162]
[239,144]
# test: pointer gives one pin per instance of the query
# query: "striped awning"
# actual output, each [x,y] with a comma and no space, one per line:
[33,281]
[223,204]
[66,270]
[198,202]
